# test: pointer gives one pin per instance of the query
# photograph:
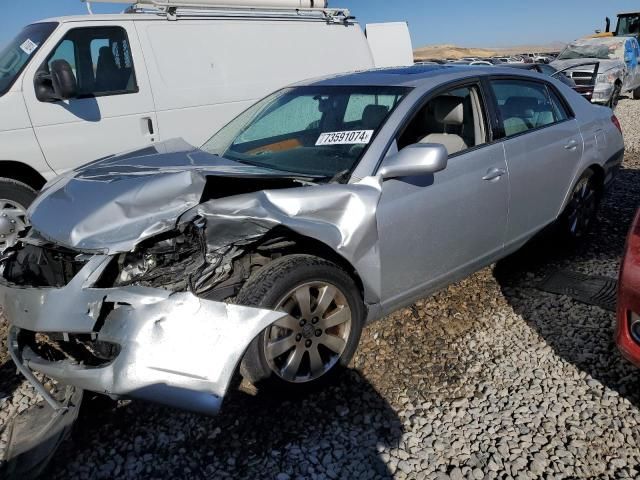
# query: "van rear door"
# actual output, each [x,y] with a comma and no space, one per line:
[114,110]
[390,44]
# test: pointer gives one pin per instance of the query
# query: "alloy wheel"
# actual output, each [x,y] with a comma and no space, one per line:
[310,341]
[582,208]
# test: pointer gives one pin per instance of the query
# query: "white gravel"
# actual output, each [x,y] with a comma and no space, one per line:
[628,112]
[489,379]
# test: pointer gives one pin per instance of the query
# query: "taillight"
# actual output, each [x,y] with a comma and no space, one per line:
[634,326]
[616,122]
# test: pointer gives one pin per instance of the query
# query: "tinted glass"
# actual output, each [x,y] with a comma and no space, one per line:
[15,56]
[314,131]
[560,112]
[524,106]
[101,60]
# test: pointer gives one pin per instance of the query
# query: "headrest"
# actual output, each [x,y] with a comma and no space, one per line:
[449,110]
[520,106]
[373,115]
[105,54]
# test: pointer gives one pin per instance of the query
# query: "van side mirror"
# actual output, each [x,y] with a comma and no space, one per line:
[417,159]
[63,80]
[58,85]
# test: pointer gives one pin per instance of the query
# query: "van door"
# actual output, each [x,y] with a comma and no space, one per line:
[114,110]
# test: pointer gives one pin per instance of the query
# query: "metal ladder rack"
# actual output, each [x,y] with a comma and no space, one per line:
[174,11]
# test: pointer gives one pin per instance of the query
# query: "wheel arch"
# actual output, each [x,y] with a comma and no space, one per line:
[598,175]
[22,173]
[295,243]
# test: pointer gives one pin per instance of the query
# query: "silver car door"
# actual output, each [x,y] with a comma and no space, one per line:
[439,227]
[543,147]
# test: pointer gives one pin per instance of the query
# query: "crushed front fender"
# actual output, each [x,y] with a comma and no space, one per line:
[173,348]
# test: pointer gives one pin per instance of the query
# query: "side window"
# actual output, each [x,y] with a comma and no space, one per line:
[560,112]
[454,119]
[101,60]
[524,106]
[65,51]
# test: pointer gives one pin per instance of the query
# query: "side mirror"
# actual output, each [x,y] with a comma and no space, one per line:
[418,159]
[63,80]
[58,85]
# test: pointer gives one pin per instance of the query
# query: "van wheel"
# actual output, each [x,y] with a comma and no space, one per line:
[321,332]
[580,213]
[636,94]
[15,198]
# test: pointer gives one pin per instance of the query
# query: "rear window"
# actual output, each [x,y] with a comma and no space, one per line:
[526,105]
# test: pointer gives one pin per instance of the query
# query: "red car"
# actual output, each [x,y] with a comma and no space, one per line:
[628,331]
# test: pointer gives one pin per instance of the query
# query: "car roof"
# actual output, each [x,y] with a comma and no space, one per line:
[413,76]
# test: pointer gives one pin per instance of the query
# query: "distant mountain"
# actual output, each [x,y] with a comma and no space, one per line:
[454,51]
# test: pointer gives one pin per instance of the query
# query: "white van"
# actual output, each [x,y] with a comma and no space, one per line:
[74,89]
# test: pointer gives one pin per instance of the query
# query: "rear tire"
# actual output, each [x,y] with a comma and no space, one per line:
[15,198]
[615,96]
[310,346]
[581,211]
[636,94]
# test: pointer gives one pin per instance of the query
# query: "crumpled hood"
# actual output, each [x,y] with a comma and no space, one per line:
[605,65]
[112,204]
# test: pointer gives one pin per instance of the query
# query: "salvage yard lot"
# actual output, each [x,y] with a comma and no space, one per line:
[491,378]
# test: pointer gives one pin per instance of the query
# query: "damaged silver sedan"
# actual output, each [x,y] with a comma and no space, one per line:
[160,274]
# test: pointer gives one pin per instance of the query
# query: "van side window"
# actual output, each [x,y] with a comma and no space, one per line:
[454,119]
[526,105]
[100,59]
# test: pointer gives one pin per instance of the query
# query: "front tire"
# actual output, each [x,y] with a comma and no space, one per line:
[636,94]
[582,209]
[15,198]
[318,337]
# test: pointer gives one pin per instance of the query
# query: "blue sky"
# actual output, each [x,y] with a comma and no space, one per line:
[484,23]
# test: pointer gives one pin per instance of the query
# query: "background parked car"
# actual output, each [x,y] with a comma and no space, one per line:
[585,90]
[628,327]
[619,70]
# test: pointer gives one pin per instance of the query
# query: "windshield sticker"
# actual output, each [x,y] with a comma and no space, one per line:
[353,137]
[28,46]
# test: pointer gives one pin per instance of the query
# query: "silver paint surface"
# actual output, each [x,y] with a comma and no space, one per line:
[176,349]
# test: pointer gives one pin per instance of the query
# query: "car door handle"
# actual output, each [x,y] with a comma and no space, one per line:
[494,174]
[572,145]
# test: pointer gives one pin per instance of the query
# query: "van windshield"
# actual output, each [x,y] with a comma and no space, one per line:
[16,54]
[320,131]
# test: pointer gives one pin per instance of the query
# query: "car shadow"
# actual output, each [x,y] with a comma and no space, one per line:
[337,432]
[10,380]
[581,334]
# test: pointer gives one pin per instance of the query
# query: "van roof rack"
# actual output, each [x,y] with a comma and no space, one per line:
[174,10]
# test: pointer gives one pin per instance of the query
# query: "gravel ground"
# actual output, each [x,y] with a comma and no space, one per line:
[491,378]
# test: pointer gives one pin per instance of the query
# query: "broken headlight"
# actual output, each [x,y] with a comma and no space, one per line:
[135,266]
[161,262]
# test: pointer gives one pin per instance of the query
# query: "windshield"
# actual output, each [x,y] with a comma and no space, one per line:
[16,54]
[604,49]
[629,25]
[314,131]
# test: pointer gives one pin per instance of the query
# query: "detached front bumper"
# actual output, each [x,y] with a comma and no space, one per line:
[172,348]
